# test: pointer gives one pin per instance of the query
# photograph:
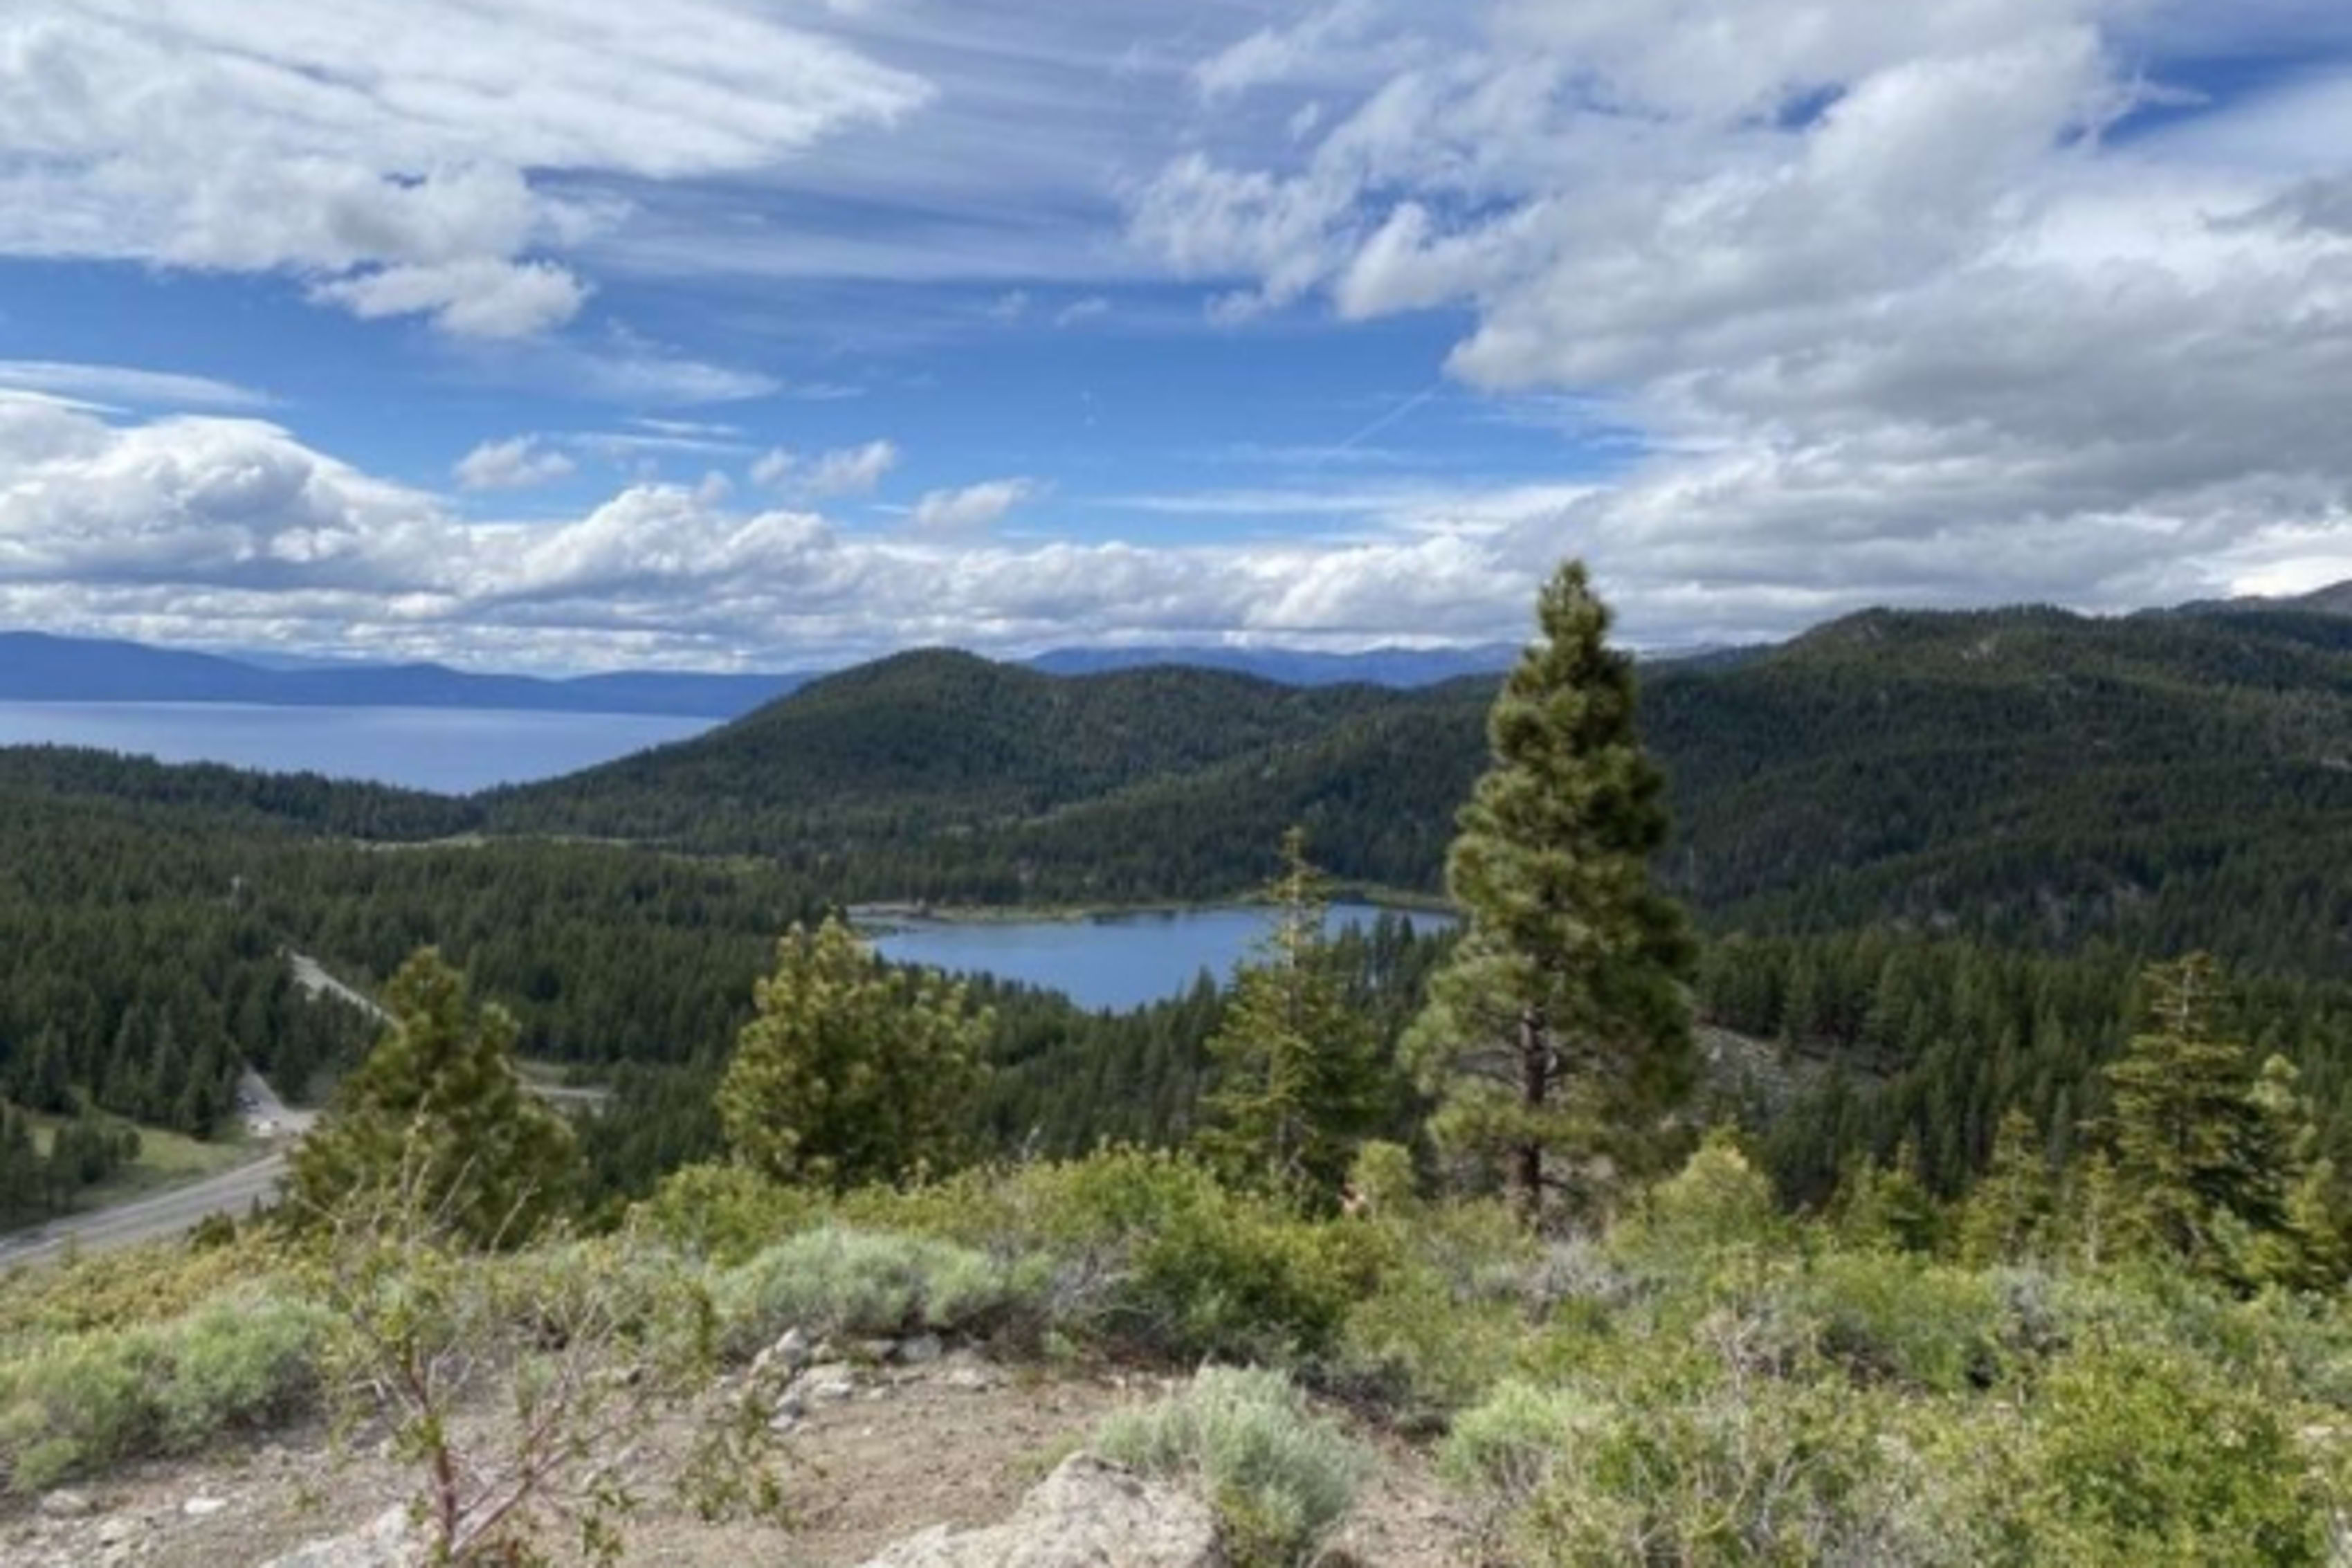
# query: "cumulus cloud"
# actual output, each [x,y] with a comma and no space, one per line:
[404,156]
[218,529]
[1893,312]
[973,507]
[514,464]
[844,471]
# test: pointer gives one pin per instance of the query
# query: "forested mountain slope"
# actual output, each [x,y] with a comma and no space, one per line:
[2028,773]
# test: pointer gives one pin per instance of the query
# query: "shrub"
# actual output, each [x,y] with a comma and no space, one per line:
[1508,1446]
[837,1280]
[1151,1253]
[2140,1455]
[86,1400]
[1278,1476]
[1888,1316]
[1698,1471]
[724,1213]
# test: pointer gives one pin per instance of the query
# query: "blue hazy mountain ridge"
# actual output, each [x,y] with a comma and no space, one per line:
[41,668]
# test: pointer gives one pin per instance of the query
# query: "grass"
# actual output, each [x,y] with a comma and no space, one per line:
[166,1159]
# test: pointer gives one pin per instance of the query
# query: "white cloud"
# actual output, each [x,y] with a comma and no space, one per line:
[515,464]
[973,507]
[476,297]
[1008,306]
[127,384]
[852,470]
[1893,315]
[404,156]
[771,466]
[1091,308]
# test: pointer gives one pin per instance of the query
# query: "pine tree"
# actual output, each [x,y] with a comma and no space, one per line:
[2197,1158]
[1297,1076]
[439,1104]
[2007,1217]
[851,1071]
[1557,1037]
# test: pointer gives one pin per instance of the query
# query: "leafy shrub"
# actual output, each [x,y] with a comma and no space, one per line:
[1508,1446]
[724,1213]
[123,1289]
[1151,1253]
[1712,1469]
[1278,1475]
[86,1400]
[2141,1455]
[851,1281]
[1888,1316]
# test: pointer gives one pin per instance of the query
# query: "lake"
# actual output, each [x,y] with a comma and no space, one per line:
[1117,961]
[452,750]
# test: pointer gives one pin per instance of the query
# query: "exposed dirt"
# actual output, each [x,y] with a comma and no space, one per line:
[924,1449]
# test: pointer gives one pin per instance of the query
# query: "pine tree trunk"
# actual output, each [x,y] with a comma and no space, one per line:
[1535,1086]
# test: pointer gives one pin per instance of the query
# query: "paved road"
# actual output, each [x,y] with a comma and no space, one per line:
[165,1215]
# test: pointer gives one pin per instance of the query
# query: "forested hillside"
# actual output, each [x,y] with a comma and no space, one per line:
[1947,839]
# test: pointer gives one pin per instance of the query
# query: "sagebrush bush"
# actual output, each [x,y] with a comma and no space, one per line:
[1508,1446]
[1279,1476]
[82,1401]
[1152,1254]
[837,1280]
[1692,1466]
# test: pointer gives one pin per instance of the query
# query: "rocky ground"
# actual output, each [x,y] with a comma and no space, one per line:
[878,1453]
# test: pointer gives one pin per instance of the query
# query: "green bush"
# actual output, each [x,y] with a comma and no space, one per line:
[1508,1446]
[1152,1254]
[1707,1469]
[837,1280]
[1890,1317]
[724,1213]
[83,1401]
[2140,1455]
[1279,1476]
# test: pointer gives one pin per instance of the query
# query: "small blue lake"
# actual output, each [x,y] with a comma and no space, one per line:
[1118,961]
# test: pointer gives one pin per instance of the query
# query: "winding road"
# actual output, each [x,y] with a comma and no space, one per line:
[232,1192]
[167,1214]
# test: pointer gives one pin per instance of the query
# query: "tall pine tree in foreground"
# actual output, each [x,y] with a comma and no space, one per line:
[1557,1040]
[1297,1066]
[852,1072]
[438,1110]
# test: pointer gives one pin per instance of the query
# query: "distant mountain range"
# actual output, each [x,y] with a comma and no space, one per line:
[38,667]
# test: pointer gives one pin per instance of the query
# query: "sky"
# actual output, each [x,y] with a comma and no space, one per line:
[556,335]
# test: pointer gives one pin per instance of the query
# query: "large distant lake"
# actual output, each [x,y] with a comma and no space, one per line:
[452,749]
[1118,960]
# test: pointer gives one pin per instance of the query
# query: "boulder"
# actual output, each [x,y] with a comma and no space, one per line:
[1086,1514]
[388,1541]
[64,1503]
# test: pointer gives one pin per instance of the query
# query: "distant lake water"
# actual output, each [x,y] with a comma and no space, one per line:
[1118,961]
[453,750]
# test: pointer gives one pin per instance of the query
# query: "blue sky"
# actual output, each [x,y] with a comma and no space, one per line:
[769,333]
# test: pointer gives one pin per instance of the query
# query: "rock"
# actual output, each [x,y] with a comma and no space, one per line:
[1087,1514]
[873,1353]
[203,1506]
[65,1503]
[920,1350]
[827,1382]
[116,1530]
[793,1348]
[389,1542]
[975,1378]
